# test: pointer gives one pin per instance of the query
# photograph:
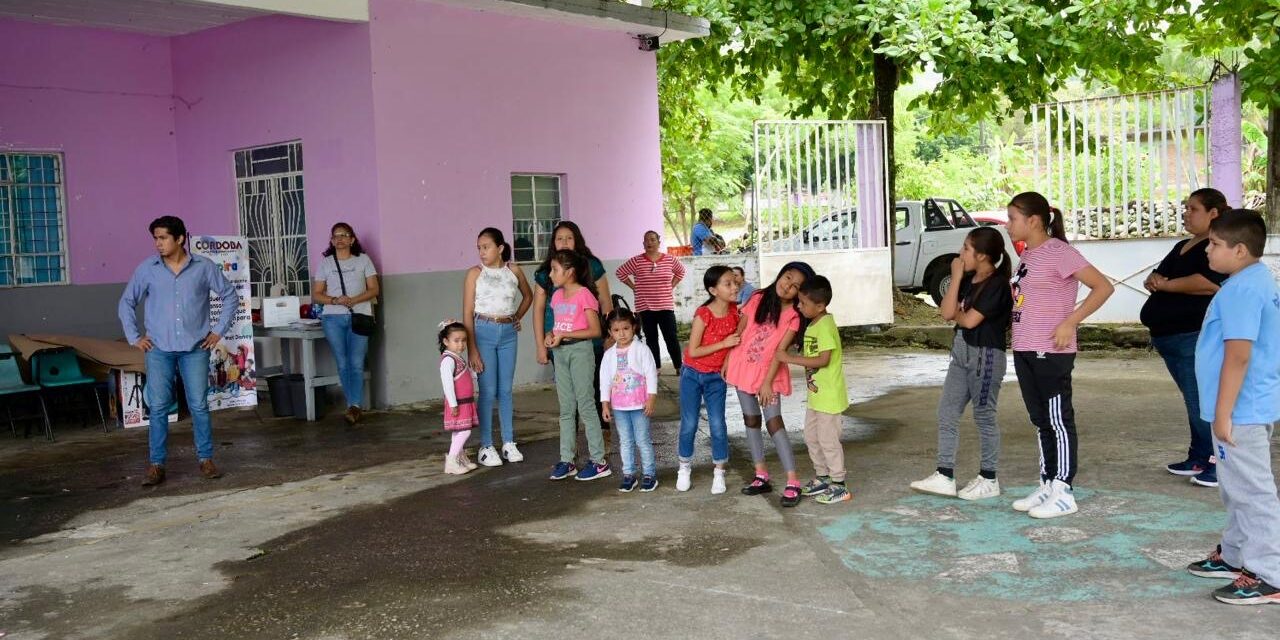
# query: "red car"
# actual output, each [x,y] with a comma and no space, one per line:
[989,218]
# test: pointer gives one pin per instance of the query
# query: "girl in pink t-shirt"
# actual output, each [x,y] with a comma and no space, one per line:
[768,325]
[575,322]
[1045,316]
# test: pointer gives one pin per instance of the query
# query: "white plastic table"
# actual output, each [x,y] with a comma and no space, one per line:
[306,335]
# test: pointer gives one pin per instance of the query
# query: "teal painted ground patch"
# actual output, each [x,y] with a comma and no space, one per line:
[1121,544]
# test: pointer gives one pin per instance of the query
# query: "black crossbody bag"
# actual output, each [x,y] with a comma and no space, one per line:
[362,324]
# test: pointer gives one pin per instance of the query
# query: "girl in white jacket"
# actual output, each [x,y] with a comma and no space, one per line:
[628,388]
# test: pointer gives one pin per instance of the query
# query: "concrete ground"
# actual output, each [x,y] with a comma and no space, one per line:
[325,533]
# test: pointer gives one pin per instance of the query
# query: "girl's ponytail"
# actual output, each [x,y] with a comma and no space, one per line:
[496,236]
[1056,227]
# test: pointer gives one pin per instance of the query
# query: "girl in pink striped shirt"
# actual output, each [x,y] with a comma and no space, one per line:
[1045,316]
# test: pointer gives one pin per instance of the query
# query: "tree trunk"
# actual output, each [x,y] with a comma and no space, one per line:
[1272,211]
[886,77]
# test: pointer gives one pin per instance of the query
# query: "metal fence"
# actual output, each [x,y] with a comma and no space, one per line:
[820,185]
[1119,166]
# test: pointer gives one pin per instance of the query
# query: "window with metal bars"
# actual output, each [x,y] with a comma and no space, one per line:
[273,217]
[535,210]
[33,247]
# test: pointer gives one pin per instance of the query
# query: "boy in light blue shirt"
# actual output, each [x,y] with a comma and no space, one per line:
[1238,374]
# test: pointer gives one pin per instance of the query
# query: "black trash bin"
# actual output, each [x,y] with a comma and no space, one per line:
[281,397]
[298,397]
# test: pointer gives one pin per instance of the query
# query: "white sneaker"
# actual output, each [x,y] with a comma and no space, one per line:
[980,488]
[1035,498]
[937,484]
[717,482]
[466,462]
[683,479]
[1061,502]
[489,457]
[454,466]
[511,454]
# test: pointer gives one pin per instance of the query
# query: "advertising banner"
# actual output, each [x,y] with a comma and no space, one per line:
[232,372]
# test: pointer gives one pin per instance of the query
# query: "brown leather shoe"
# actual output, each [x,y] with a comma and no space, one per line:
[155,476]
[352,416]
[209,470]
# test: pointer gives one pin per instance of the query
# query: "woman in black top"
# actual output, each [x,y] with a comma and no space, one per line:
[1181,288]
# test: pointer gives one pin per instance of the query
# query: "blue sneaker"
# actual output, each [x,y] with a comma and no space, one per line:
[1207,478]
[649,483]
[593,471]
[564,470]
[628,483]
[1186,468]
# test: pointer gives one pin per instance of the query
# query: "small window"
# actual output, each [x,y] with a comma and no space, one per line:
[535,210]
[901,218]
[32,220]
[273,217]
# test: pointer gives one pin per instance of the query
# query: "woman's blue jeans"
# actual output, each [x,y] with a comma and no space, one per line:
[348,350]
[497,345]
[1179,353]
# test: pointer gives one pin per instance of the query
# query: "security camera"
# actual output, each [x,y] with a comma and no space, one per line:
[648,42]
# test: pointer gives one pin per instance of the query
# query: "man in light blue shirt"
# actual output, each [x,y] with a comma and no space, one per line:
[177,337]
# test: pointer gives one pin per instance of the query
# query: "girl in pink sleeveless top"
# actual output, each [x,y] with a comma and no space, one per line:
[458,382]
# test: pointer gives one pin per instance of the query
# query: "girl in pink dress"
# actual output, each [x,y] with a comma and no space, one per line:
[459,384]
[769,324]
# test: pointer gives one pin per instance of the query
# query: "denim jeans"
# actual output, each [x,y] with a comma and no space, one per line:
[497,345]
[695,388]
[163,367]
[348,350]
[1179,353]
[633,431]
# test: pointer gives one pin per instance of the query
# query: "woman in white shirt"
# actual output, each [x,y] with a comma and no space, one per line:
[495,296]
[345,283]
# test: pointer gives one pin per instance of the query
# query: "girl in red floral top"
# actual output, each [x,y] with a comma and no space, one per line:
[714,333]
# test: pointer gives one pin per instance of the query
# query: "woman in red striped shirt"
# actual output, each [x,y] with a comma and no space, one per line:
[653,275]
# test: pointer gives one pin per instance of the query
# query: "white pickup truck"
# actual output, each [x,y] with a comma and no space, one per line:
[928,234]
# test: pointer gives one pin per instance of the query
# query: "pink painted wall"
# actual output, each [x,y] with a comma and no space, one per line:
[270,80]
[463,99]
[104,100]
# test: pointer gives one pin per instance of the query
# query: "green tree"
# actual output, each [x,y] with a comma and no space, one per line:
[848,58]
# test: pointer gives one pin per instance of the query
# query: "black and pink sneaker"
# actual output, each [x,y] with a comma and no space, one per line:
[593,471]
[757,486]
[791,495]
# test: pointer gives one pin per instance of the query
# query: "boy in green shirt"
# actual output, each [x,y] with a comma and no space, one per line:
[828,397]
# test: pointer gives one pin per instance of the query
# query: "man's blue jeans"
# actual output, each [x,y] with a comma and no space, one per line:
[348,350]
[163,367]
[497,345]
[1179,353]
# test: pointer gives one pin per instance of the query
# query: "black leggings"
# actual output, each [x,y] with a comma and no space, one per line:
[653,321]
[1045,380]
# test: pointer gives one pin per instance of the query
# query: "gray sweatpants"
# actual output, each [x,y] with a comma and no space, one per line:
[1252,537]
[974,376]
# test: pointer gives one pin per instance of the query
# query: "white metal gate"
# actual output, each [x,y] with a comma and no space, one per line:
[819,195]
[1119,166]
[273,217]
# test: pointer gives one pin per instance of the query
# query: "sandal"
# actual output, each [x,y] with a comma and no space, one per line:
[791,495]
[758,485]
